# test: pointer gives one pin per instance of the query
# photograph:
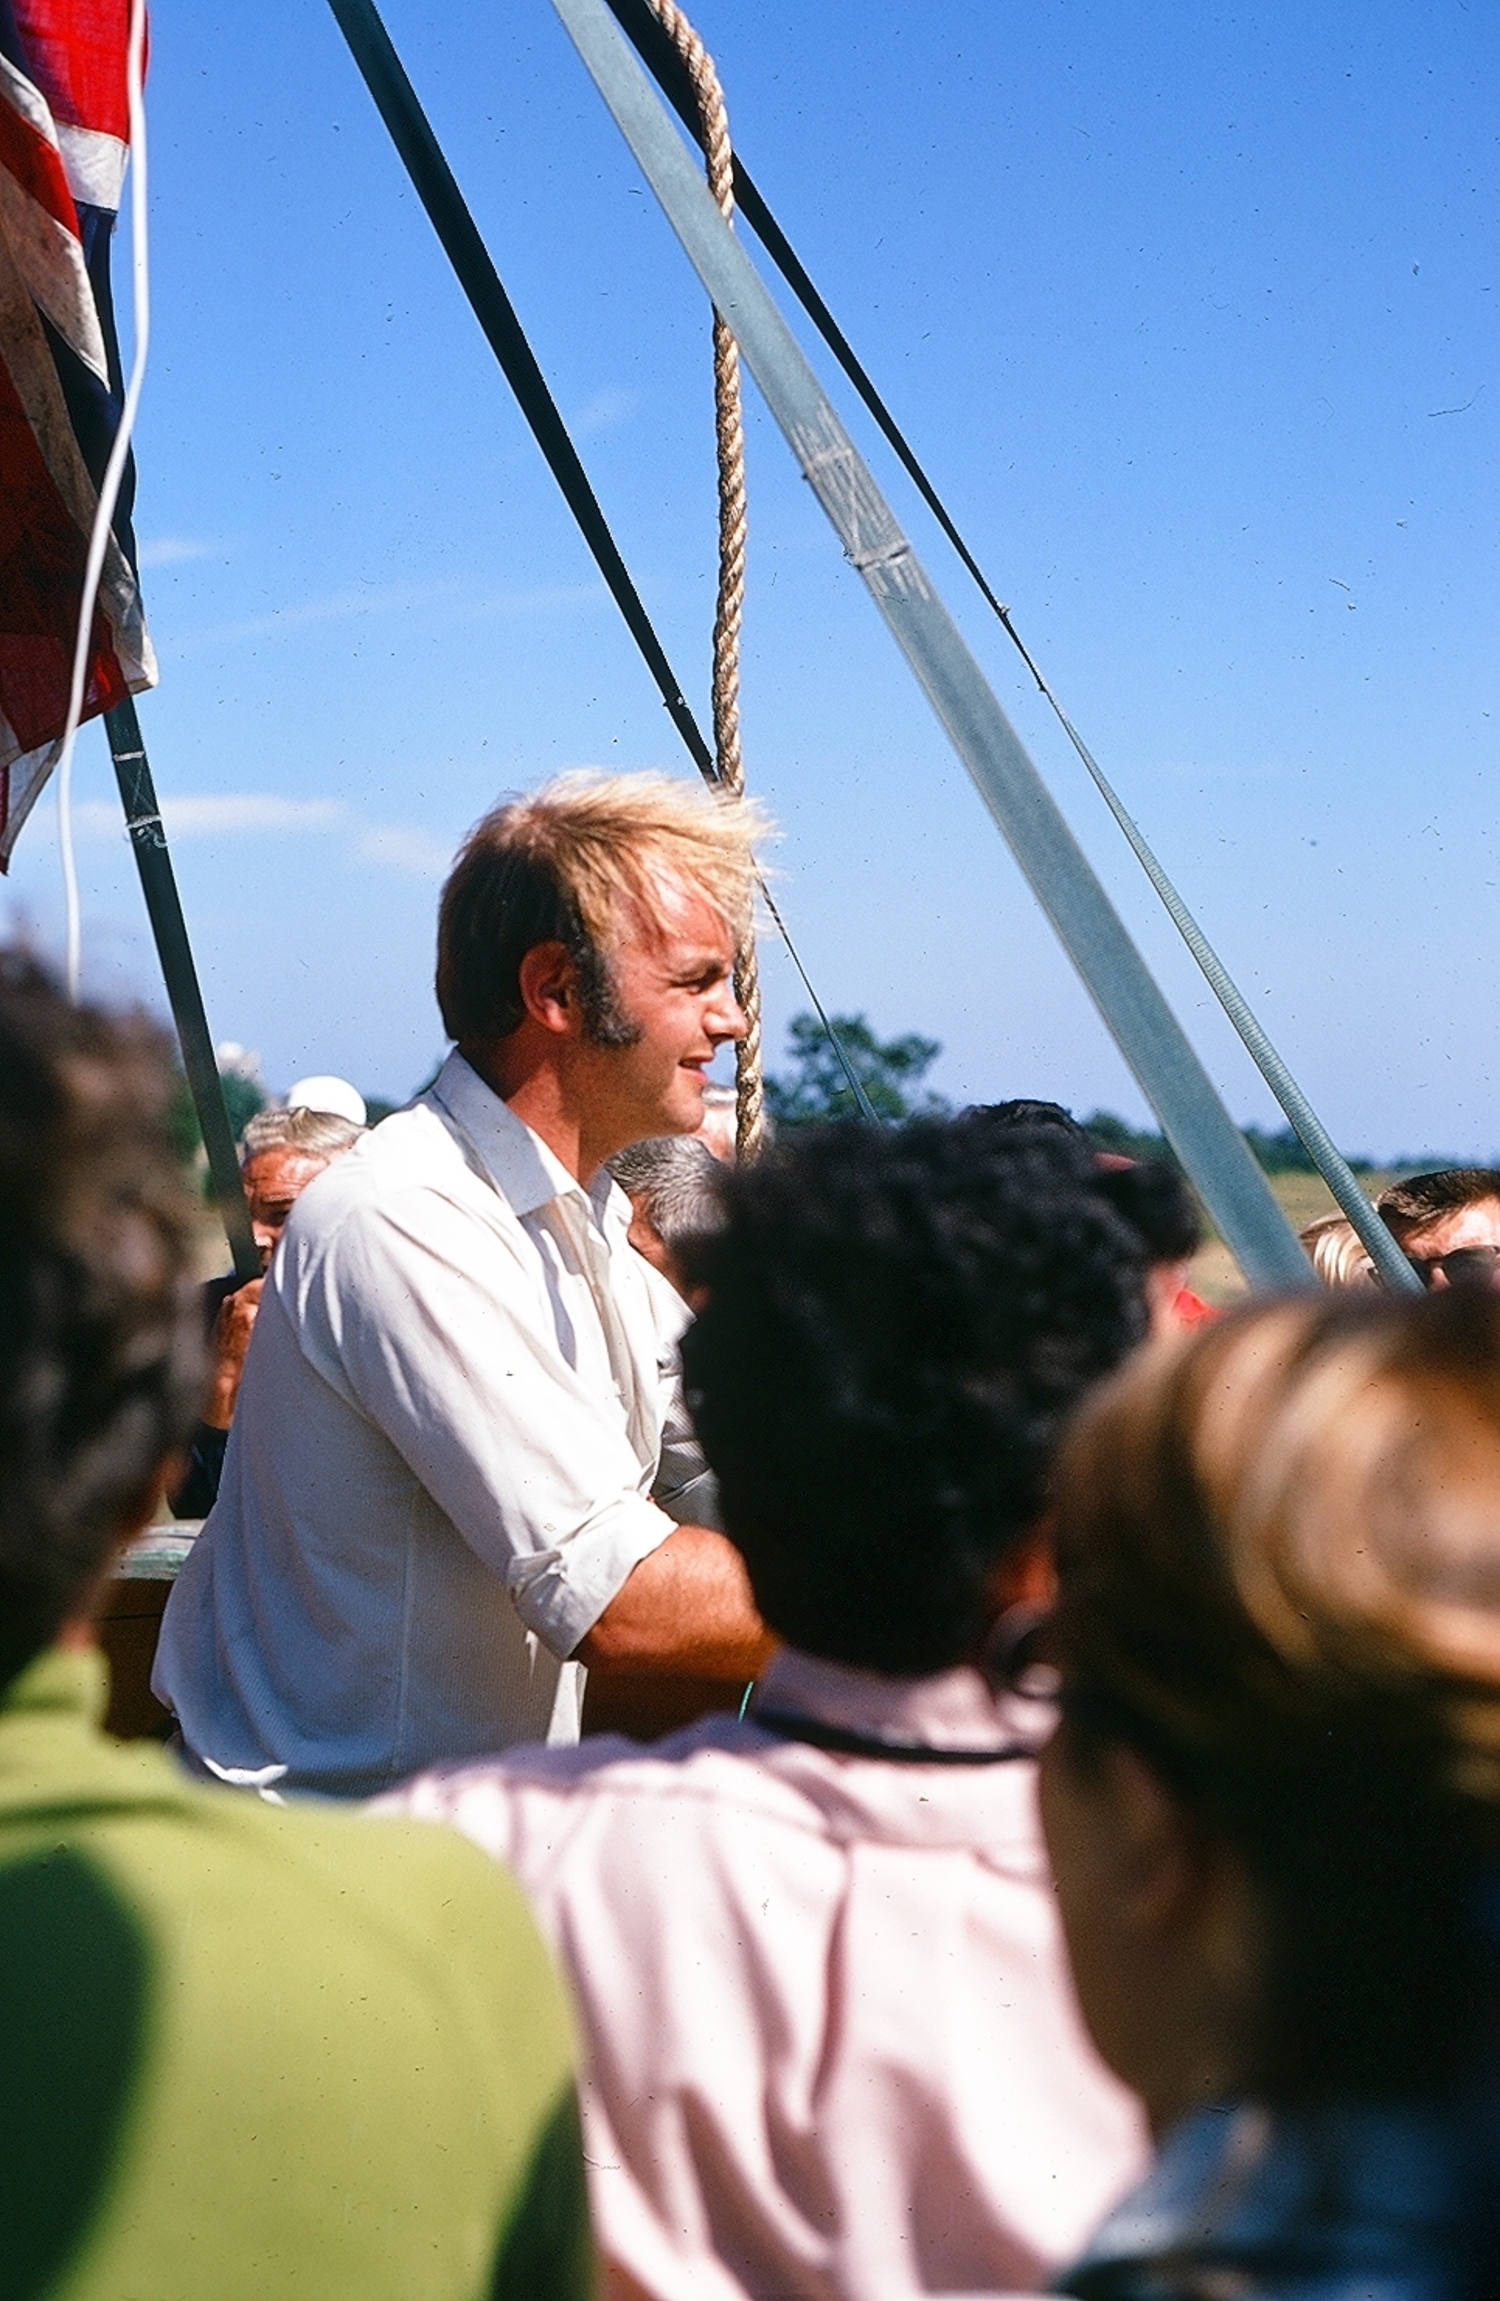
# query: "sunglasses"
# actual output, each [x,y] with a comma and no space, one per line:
[1463,1266]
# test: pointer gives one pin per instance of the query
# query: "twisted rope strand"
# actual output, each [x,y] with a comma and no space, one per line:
[729,440]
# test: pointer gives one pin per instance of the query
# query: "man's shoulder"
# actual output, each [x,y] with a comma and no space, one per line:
[413,1161]
[308,1873]
[695,1778]
[339,2005]
[135,1799]
[428,1899]
[387,1864]
[416,1148]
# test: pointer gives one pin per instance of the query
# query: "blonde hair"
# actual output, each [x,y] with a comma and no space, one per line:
[1337,1252]
[1279,1556]
[576,862]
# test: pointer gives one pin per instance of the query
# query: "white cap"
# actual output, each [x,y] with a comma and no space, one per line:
[325,1093]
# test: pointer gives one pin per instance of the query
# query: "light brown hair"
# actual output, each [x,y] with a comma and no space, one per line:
[1279,1559]
[576,862]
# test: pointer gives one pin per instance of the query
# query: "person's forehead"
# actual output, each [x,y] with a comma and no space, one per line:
[682,918]
[1476,1225]
[282,1167]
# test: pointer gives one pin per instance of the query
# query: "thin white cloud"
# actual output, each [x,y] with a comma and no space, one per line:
[338,607]
[173,550]
[496,606]
[461,602]
[608,410]
[210,817]
[221,814]
[231,814]
[1197,772]
[402,847]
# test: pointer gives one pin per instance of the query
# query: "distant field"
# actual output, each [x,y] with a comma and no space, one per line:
[1216,1275]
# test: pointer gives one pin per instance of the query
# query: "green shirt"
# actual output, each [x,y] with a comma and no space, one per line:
[252,2052]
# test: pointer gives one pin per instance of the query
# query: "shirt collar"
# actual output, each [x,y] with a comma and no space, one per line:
[523,1170]
[73,1680]
[953,1710]
[1359,2195]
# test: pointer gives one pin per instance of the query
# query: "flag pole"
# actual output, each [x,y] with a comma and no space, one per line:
[148,840]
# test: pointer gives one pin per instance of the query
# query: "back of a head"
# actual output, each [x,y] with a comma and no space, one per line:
[317,1134]
[675,1180]
[1337,1252]
[1029,1111]
[1279,1553]
[1152,1196]
[1424,1198]
[100,1341]
[570,863]
[897,1323]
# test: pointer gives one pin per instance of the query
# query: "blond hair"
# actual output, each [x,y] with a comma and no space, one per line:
[1279,1557]
[1337,1252]
[580,861]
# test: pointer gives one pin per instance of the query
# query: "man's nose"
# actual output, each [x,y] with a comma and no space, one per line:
[265,1235]
[726,1018]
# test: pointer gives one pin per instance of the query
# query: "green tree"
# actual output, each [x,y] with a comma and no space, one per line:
[1280,1153]
[243,1097]
[815,1087]
[1109,1133]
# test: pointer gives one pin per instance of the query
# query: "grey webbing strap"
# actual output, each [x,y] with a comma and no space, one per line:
[1179,1090]
[657,53]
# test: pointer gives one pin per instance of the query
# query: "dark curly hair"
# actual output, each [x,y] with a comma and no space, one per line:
[100,1349]
[898,1324]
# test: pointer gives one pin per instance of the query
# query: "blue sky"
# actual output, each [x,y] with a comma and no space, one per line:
[1192,313]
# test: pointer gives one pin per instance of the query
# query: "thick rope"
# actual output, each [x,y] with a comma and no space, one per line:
[729,431]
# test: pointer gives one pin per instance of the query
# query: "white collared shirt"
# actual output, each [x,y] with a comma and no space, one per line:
[452,1416]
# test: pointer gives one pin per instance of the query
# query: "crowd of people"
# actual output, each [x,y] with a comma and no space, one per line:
[1078,1863]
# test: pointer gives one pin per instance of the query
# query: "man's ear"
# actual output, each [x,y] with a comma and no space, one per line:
[548,982]
[1160,1849]
[1026,1575]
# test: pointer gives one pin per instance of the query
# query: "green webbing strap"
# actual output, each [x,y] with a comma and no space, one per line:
[148,844]
[437,189]
[1147,1033]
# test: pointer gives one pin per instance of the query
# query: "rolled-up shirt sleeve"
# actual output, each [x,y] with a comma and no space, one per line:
[434,1327]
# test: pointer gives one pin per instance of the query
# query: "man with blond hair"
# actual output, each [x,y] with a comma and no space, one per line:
[443,1489]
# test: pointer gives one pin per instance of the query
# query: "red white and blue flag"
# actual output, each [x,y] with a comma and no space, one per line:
[64,140]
